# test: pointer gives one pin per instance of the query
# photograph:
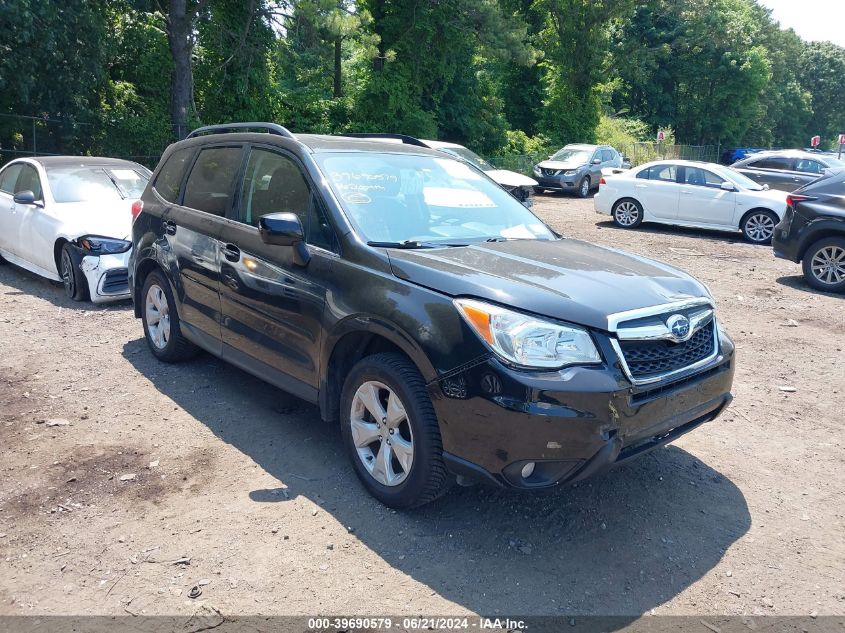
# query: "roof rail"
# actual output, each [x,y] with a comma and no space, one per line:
[406,140]
[271,128]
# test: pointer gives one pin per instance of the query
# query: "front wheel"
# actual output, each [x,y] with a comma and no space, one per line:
[584,187]
[627,213]
[391,432]
[76,286]
[824,264]
[759,226]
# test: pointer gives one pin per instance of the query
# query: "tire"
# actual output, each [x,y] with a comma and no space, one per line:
[627,213]
[161,321]
[75,283]
[584,187]
[824,264]
[758,226]
[416,475]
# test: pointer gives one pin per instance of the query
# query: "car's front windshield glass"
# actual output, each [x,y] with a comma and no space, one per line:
[82,183]
[573,155]
[400,198]
[470,156]
[742,180]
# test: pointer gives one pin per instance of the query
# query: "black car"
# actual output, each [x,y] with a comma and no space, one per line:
[448,330]
[812,231]
[786,170]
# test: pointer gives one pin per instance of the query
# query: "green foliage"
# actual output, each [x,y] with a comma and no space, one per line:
[622,132]
[822,67]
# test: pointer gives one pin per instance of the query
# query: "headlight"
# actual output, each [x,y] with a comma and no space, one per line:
[103,245]
[528,341]
[571,172]
[537,170]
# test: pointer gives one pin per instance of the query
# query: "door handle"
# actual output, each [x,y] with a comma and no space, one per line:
[689,193]
[231,252]
[640,186]
[170,227]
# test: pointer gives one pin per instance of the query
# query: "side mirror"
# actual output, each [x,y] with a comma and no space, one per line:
[728,186]
[24,197]
[765,187]
[284,229]
[596,161]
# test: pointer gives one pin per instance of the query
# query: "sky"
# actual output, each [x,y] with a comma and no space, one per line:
[814,20]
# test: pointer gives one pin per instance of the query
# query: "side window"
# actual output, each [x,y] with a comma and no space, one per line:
[211,182]
[644,174]
[702,178]
[809,166]
[666,173]
[773,163]
[169,179]
[29,180]
[607,155]
[596,155]
[9,176]
[274,183]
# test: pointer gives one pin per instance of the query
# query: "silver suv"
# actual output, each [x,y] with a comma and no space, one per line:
[576,168]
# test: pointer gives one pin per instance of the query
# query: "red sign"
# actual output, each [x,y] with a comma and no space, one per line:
[842,139]
[814,142]
[661,136]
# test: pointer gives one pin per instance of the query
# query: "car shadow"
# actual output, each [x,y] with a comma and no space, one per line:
[685,231]
[797,282]
[25,282]
[619,545]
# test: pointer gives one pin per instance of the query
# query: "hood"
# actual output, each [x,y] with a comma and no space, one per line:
[112,219]
[563,279]
[562,164]
[511,178]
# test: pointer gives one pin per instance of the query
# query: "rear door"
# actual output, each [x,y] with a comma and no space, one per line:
[9,217]
[192,230]
[273,307]
[657,190]
[703,201]
[775,171]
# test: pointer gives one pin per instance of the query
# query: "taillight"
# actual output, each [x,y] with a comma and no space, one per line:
[137,207]
[602,181]
[792,198]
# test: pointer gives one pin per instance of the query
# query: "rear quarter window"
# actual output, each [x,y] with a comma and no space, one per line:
[170,177]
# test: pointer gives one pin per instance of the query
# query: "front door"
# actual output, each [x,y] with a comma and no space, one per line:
[272,306]
[9,211]
[703,201]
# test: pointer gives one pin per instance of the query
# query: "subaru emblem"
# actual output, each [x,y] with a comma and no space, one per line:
[679,326]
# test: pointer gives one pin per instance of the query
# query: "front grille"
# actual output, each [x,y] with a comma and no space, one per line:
[647,359]
[115,281]
[549,172]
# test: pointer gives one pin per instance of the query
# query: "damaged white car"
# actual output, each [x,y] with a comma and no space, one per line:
[69,218]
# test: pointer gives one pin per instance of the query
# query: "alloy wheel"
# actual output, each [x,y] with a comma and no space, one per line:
[585,188]
[382,433]
[627,213]
[760,227]
[158,316]
[68,278]
[828,265]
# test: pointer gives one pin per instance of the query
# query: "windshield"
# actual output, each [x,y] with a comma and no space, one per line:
[81,183]
[573,155]
[742,180]
[469,156]
[409,198]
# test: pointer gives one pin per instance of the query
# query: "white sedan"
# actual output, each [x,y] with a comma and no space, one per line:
[688,193]
[69,219]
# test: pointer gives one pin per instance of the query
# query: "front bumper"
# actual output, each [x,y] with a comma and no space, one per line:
[573,423]
[558,183]
[107,276]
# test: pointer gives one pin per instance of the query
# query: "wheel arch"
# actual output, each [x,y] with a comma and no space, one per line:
[820,232]
[142,271]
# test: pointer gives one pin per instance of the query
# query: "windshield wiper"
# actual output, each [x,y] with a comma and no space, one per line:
[410,244]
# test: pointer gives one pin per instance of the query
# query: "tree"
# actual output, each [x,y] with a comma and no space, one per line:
[822,68]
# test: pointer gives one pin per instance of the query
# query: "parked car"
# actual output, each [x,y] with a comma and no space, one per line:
[688,193]
[576,168]
[68,218]
[730,156]
[448,330]
[812,231]
[786,170]
[519,186]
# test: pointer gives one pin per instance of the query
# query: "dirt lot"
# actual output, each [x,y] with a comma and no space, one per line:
[243,489]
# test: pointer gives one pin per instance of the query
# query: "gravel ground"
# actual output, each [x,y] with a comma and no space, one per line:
[126,482]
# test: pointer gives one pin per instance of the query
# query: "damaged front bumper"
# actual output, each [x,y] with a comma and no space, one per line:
[570,424]
[107,276]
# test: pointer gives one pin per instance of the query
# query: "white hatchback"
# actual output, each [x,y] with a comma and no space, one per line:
[69,219]
[689,193]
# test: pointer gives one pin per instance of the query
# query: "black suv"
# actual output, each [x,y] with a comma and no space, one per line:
[812,231]
[448,330]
